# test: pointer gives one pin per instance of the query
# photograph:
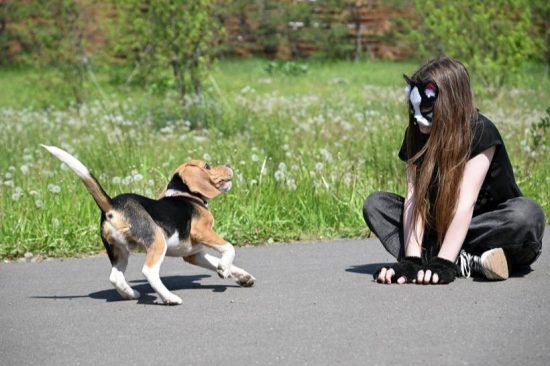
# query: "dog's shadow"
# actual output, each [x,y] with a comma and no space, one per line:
[148,295]
[367,268]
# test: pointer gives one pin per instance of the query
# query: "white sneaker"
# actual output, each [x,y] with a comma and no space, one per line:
[491,264]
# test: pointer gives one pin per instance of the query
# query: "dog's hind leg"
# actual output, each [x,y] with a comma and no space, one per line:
[212,263]
[119,261]
[156,250]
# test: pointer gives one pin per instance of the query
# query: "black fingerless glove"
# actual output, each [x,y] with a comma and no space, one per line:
[407,267]
[445,270]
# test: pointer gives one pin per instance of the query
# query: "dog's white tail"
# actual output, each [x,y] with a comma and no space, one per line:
[92,185]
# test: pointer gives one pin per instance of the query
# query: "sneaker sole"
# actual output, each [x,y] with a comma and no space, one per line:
[494,264]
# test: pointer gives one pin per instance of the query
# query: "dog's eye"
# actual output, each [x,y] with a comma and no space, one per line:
[206,166]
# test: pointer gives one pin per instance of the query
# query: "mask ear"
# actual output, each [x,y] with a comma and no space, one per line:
[199,182]
[407,79]
[430,89]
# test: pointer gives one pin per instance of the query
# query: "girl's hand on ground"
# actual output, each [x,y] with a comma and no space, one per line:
[401,272]
[437,271]
[426,277]
[386,276]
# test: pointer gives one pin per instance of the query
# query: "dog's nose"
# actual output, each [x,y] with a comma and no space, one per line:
[227,166]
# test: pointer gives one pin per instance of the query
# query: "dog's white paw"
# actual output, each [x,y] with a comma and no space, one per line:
[172,299]
[129,294]
[245,280]
[223,272]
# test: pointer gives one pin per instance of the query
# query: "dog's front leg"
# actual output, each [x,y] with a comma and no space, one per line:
[227,252]
[202,233]
[212,263]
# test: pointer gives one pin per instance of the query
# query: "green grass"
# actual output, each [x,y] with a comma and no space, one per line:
[306,149]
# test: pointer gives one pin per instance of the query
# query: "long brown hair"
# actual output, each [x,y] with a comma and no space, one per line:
[439,163]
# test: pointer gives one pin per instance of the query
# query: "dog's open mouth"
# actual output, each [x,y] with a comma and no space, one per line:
[225,185]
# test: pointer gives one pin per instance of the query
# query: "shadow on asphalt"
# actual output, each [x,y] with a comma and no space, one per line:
[373,267]
[148,295]
[367,268]
[518,273]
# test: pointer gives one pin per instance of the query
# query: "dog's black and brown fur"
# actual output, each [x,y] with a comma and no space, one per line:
[178,224]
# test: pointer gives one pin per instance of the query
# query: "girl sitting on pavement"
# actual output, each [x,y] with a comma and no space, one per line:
[463,213]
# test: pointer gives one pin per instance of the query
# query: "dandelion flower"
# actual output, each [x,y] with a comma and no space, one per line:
[54,188]
[291,184]
[279,175]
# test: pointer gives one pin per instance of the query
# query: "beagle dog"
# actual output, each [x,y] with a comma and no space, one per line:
[178,224]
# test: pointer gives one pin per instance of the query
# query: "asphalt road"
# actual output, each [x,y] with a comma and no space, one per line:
[313,304]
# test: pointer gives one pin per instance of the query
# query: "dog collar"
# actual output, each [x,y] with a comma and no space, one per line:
[193,197]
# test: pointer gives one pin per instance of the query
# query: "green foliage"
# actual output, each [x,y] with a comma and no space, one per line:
[169,41]
[539,139]
[540,9]
[289,68]
[51,34]
[491,37]
[306,151]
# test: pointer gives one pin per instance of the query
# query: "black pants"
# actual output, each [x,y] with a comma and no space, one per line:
[516,225]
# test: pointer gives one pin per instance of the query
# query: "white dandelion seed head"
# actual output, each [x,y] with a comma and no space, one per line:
[291,185]
[347,179]
[54,188]
[326,154]
[279,175]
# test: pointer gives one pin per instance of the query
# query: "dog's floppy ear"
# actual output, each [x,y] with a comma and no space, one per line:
[199,181]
